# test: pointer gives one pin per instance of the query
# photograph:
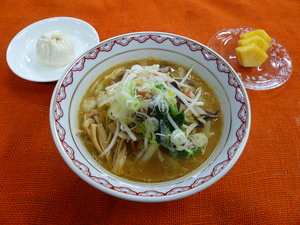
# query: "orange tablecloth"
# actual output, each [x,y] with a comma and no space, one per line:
[36,185]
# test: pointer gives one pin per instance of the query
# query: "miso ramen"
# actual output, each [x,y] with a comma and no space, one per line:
[150,120]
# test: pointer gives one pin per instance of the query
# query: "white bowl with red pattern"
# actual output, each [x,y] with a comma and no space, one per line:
[213,69]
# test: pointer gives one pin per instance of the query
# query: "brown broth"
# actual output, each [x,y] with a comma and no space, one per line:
[171,168]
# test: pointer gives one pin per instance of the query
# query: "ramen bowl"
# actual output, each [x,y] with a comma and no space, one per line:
[211,67]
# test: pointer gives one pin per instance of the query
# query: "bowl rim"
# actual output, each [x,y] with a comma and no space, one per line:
[163,198]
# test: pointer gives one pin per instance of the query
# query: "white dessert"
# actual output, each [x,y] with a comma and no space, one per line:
[55,49]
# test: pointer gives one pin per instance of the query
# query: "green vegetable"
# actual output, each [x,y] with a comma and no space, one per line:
[176,116]
[181,154]
[159,114]
[165,130]
[179,119]
[187,152]
[160,87]
[163,134]
[170,97]
[132,86]
[135,104]
[148,131]
[173,109]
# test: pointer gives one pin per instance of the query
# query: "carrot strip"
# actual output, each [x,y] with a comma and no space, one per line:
[144,94]
[133,145]
[188,93]
[121,73]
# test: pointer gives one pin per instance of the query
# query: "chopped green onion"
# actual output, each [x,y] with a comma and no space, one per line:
[170,97]
[123,97]
[159,86]
[173,109]
[147,128]
[132,86]
[135,105]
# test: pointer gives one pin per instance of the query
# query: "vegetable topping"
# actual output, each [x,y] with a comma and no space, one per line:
[147,102]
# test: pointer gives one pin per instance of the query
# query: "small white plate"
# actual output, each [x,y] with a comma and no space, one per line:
[21,56]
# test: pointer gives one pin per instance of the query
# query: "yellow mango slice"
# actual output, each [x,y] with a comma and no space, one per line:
[259,41]
[259,32]
[251,55]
